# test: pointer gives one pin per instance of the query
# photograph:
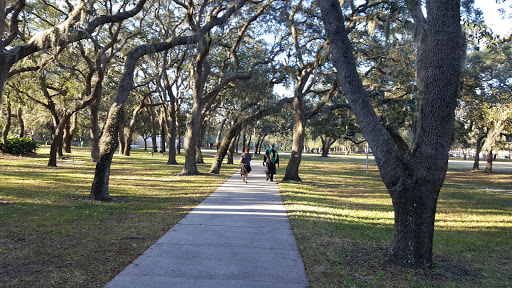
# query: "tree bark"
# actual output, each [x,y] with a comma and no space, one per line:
[162,130]
[193,133]
[225,147]
[261,143]
[257,145]
[5,66]
[490,158]
[219,134]
[199,144]
[327,142]
[299,132]
[412,243]
[108,146]
[131,128]
[231,149]
[69,132]
[67,137]
[122,142]
[249,141]
[236,145]
[170,119]
[171,134]
[57,139]
[178,126]
[7,127]
[194,126]
[151,112]
[244,139]
[21,122]
[479,140]
[413,178]
[95,129]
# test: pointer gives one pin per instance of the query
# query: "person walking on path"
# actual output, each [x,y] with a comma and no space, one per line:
[240,236]
[269,161]
[245,159]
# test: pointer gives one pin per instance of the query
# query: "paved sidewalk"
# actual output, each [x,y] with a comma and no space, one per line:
[240,236]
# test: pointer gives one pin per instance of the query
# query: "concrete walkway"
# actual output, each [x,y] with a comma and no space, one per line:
[240,236]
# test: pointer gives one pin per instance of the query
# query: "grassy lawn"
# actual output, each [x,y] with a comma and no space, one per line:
[51,235]
[343,222]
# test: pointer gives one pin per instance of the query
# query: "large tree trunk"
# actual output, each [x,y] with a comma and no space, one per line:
[99,189]
[261,143]
[299,132]
[231,149]
[122,142]
[169,110]
[479,140]
[194,126]
[170,122]
[413,177]
[162,129]
[108,145]
[60,150]
[219,134]
[249,141]
[5,66]
[244,139]
[95,129]
[67,137]
[192,138]
[415,209]
[151,112]
[178,126]
[199,154]
[325,146]
[108,142]
[257,145]
[490,158]
[69,132]
[131,128]
[21,122]
[57,139]
[7,127]
[224,147]
[54,149]
[171,133]
[129,139]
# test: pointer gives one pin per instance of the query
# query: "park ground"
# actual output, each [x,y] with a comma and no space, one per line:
[52,235]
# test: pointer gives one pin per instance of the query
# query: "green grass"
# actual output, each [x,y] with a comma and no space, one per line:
[51,235]
[343,222]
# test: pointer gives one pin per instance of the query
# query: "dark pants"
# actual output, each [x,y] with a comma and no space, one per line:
[270,176]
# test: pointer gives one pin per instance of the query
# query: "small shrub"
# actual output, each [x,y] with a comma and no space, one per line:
[17,145]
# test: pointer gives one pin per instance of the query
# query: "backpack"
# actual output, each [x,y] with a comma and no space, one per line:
[273,158]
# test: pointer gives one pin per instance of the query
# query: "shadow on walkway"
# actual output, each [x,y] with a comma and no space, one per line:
[240,236]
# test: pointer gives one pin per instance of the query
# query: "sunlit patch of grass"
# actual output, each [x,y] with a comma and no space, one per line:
[343,221]
[52,235]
